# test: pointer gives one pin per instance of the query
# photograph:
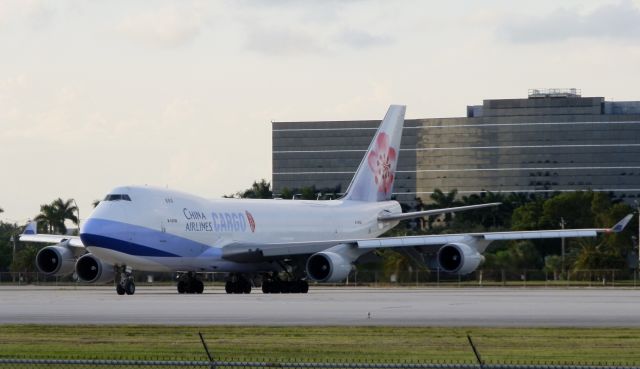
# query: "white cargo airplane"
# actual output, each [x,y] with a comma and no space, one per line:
[156,229]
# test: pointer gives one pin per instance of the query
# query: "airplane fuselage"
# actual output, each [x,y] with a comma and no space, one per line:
[157,229]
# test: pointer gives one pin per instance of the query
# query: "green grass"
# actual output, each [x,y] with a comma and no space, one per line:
[524,345]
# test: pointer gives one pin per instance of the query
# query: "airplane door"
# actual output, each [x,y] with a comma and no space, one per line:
[167,219]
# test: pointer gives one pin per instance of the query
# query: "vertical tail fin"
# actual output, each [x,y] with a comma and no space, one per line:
[31,228]
[374,178]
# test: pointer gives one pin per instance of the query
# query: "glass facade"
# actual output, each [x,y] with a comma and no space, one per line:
[540,145]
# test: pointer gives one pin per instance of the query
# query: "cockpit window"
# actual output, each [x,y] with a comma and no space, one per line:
[117,197]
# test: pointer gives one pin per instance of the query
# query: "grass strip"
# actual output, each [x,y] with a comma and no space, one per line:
[617,346]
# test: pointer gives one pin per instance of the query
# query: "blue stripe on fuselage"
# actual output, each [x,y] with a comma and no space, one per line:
[140,241]
[125,247]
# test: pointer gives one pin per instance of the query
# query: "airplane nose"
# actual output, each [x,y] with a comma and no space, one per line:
[107,223]
[98,232]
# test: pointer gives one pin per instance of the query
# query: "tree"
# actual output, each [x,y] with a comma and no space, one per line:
[574,207]
[495,216]
[395,265]
[65,210]
[47,218]
[308,193]
[582,209]
[527,217]
[258,190]
[53,216]
[553,264]
[518,199]
[25,259]
[596,255]
[1,210]
[311,193]
[7,230]
[442,200]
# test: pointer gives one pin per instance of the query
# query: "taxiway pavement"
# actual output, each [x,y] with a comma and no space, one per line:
[458,307]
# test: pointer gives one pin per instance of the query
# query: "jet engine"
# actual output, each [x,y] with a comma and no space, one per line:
[93,270]
[55,260]
[327,266]
[459,258]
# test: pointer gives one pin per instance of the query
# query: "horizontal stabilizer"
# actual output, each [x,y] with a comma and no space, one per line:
[419,214]
[532,235]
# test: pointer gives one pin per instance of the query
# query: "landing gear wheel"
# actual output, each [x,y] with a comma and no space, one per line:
[189,283]
[129,287]
[120,289]
[278,286]
[304,286]
[237,284]
[182,287]
[199,286]
[294,287]
[267,286]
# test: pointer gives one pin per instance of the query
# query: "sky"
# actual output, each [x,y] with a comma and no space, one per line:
[181,94]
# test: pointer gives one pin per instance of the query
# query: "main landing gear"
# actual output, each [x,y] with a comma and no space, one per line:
[237,284]
[273,284]
[189,283]
[125,284]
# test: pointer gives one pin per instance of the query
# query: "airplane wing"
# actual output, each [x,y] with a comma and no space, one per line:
[245,252]
[31,234]
[418,214]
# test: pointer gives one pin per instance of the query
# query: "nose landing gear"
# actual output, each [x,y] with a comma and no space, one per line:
[125,284]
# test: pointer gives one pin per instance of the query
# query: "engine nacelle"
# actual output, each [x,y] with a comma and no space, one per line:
[90,269]
[55,260]
[327,266]
[459,258]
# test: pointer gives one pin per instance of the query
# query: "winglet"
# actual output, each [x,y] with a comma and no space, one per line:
[31,228]
[619,227]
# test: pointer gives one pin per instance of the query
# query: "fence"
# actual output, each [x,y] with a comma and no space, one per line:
[112,364]
[419,278]
[499,278]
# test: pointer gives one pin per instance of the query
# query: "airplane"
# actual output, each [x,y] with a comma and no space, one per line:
[161,230]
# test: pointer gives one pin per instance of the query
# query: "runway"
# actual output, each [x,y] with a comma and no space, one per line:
[460,307]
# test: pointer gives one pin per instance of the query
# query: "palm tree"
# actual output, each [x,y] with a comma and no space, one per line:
[492,217]
[395,265]
[442,200]
[65,210]
[47,218]
[54,215]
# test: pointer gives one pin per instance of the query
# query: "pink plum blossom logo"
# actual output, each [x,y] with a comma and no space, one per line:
[252,222]
[382,161]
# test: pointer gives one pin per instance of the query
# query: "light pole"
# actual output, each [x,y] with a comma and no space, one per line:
[78,211]
[13,257]
[562,224]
